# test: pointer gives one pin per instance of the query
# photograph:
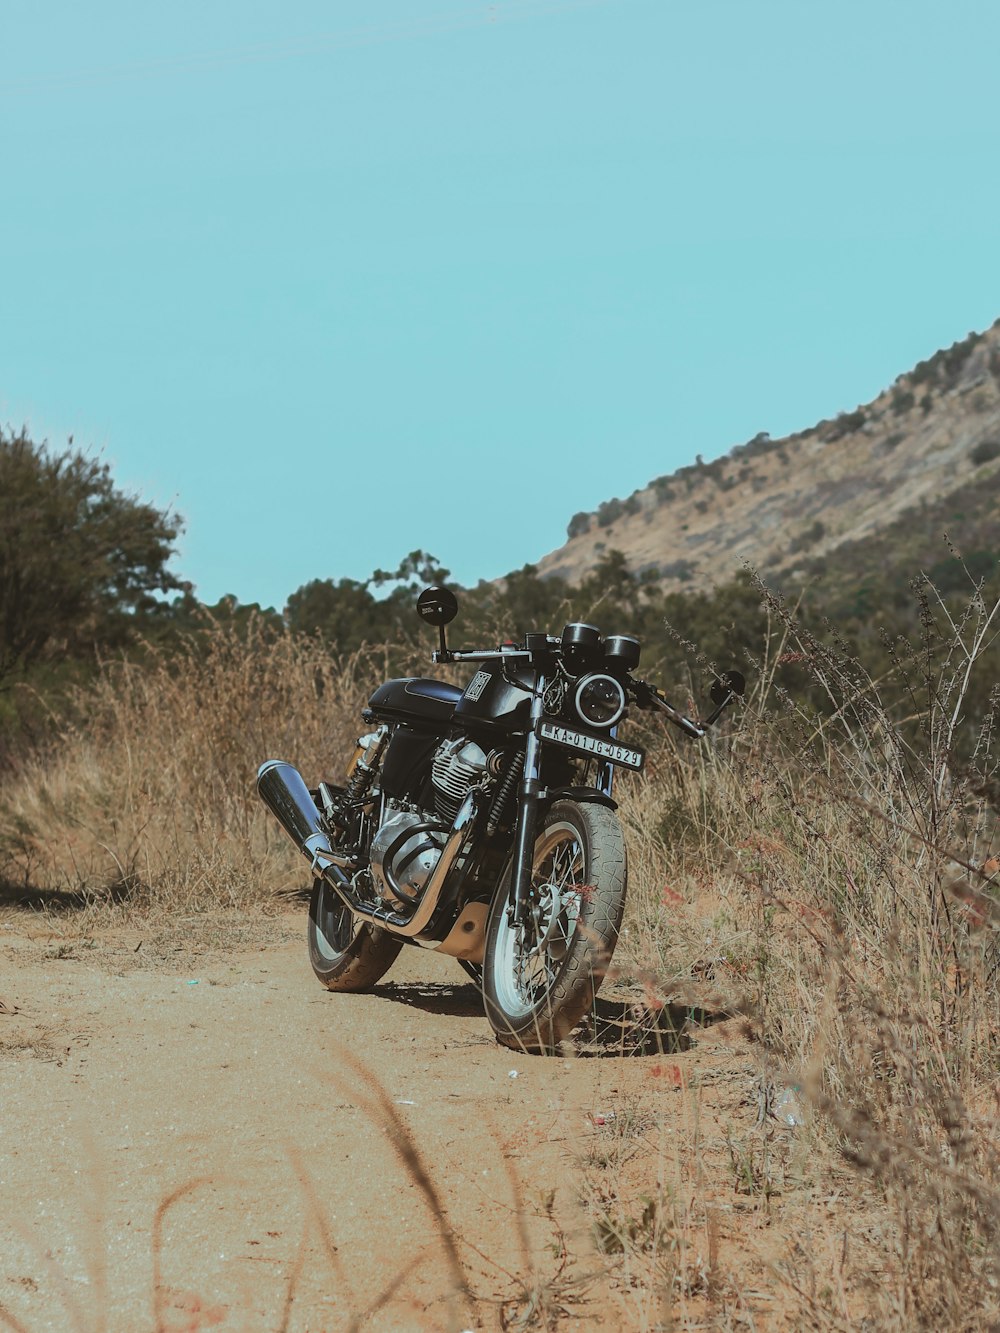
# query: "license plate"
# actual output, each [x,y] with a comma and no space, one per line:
[597,746]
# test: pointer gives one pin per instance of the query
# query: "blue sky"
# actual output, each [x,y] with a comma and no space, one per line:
[341,280]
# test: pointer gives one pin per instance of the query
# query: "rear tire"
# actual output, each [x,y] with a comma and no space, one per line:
[538,981]
[346,954]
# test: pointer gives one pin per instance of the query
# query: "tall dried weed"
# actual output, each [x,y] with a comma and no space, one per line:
[832,870]
[149,799]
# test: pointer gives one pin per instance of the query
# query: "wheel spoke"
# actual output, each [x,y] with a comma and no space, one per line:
[541,973]
[540,949]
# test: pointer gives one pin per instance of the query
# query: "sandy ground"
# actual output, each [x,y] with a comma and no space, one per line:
[189,1143]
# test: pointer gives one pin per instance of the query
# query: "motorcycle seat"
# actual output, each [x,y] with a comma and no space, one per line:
[416,698]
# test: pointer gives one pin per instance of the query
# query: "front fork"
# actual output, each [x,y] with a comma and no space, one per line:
[527,810]
[527,813]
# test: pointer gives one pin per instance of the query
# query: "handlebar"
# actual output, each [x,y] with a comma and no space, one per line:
[648,696]
[645,695]
[481,655]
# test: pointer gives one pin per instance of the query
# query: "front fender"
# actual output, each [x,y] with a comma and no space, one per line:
[584,795]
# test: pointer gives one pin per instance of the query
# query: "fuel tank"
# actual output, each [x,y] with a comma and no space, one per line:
[491,701]
[416,700]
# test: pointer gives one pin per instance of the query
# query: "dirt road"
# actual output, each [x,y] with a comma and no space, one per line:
[189,1143]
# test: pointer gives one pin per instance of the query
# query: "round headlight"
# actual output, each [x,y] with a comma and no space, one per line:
[599,700]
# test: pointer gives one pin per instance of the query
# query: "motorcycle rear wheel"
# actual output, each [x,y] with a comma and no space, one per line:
[540,979]
[346,954]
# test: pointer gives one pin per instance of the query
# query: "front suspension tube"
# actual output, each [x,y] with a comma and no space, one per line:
[524,849]
[527,815]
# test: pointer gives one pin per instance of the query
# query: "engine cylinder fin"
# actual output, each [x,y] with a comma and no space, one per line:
[456,766]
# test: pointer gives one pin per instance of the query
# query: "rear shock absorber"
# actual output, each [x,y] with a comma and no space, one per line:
[364,770]
[503,794]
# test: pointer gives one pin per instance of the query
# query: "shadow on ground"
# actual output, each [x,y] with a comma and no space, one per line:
[613,1028]
[462,1000]
[628,1028]
[28,898]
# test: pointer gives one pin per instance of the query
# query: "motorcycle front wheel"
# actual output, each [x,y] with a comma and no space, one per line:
[346,954]
[540,978]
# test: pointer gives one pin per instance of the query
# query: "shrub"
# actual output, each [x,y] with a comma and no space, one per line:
[956,573]
[608,511]
[684,570]
[814,533]
[984,452]
[663,489]
[846,423]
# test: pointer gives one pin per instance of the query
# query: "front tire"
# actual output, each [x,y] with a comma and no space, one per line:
[346,954]
[539,980]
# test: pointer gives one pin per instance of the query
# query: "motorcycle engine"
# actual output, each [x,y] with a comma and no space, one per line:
[403,854]
[405,851]
[457,765]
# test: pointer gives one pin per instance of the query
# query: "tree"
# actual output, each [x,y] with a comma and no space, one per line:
[343,613]
[417,570]
[611,588]
[80,561]
[522,601]
[346,614]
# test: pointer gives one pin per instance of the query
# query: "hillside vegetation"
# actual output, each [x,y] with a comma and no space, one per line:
[799,503]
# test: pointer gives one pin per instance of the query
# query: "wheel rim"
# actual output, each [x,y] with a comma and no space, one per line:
[529,959]
[336,925]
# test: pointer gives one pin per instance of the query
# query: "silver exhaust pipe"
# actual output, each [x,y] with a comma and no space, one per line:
[284,792]
[459,836]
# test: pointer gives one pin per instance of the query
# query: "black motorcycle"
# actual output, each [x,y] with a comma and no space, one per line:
[480,823]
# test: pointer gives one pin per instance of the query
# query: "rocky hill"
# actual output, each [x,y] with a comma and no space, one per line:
[924,454]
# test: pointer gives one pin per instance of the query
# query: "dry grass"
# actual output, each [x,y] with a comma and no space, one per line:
[830,875]
[151,801]
[834,875]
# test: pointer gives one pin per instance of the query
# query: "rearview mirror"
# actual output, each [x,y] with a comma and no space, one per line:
[728,684]
[437,606]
